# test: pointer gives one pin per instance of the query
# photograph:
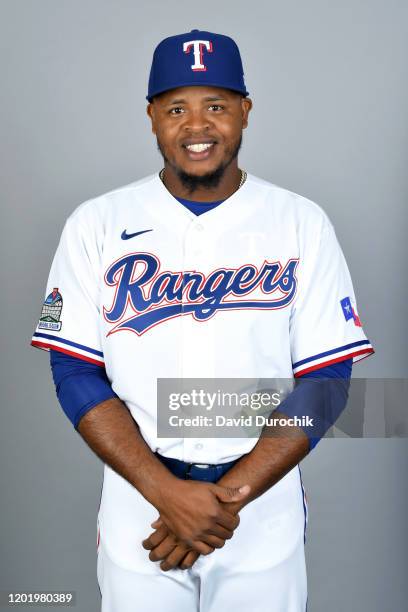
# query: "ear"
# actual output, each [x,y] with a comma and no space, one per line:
[246,105]
[150,109]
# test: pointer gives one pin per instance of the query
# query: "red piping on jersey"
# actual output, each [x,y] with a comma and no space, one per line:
[317,366]
[45,345]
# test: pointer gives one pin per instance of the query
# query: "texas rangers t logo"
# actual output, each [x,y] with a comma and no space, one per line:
[151,297]
[198,47]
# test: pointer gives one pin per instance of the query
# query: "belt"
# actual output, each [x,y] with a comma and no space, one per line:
[196,471]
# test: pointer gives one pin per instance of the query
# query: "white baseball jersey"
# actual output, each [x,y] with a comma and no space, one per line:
[258,287]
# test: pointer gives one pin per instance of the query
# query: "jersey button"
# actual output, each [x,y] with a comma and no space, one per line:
[199,446]
[199,227]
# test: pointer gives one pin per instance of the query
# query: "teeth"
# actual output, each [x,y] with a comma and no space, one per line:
[198,148]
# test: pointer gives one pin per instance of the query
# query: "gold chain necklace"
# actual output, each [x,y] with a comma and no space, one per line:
[241,182]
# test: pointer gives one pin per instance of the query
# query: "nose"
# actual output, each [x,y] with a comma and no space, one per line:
[197,121]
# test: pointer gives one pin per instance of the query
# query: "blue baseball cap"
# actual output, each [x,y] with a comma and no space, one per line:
[196,58]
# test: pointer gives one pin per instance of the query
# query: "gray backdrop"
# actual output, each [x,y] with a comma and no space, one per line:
[328,80]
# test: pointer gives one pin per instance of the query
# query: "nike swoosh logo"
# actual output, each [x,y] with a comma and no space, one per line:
[126,236]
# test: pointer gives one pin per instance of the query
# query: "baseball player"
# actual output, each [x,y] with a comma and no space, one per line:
[200,270]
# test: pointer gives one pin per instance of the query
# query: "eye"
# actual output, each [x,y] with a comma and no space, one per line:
[216,107]
[177,110]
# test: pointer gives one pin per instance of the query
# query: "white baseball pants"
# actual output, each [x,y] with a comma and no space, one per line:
[261,569]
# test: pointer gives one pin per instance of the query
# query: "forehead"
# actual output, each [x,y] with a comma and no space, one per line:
[196,93]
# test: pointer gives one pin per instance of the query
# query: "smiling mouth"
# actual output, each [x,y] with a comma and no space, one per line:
[199,147]
[199,151]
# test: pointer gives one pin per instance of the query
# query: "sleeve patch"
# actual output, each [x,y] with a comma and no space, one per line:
[349,311]
[51,311]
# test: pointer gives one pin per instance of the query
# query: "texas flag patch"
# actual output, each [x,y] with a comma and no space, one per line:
[349,312]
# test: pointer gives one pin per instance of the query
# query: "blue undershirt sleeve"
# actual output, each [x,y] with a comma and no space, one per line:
[80,385]
[320,395]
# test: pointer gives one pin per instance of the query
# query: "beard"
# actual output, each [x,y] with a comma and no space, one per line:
[210,180]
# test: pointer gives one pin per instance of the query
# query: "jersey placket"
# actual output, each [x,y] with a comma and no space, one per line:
[197,343]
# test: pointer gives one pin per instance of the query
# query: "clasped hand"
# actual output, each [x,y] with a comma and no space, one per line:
[195,518]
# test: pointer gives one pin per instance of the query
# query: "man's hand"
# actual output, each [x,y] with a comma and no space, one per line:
[278,450]
[195,513]
[163,545]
